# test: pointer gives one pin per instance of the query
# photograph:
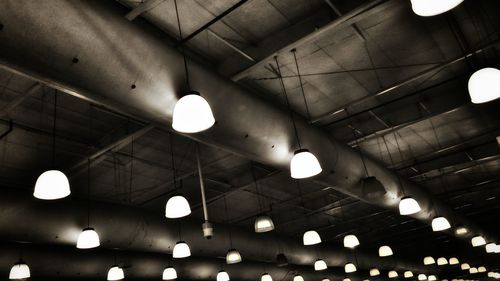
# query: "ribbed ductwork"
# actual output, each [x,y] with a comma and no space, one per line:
[125,227]
[40,40]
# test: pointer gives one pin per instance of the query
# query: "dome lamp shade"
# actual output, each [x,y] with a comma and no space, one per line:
[392,274]
[52,185]
[20,270]
[385,251]
[440,224]
[177,207]
[432,278]
[233,256]
[483,85]
[351,241]
[320,265]
[481,269]
[88,239]
[428,8]
[478,241]
[192,114]
[442,261]
[263,224]
[222,276]
[429,260]
[421,277]
[304,164]
[465,266]
[490,247]
[181,250]
[115,273]
[408,206]
[311,237]
[374,272]
[453,261]
[266,277]
[298,277]
[473,270]
[408,274]
[349,267]
[169,273]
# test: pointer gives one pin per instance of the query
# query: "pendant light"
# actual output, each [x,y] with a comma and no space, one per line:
[473,270]
[483,85]
[304,164]
[374,272]
[481,269]
[325,279]
[351,241]
[465,266]
[266,277]
[320,264]
[440,224]
[490,247]
[88,238]
[20,270]
[222,276]
[461,230]
[311,237]
[408,274]
[169,273]
[115,273]
[52,184]
[428,8]
[181,250]
[478,241]
[349,267]
[392,274]
[298,277]
[263,223]
[407,205]
[385,251]
[346,279]
[232,256]
[432,278]
[177,206]
[453,261]
[422,277]
[429,260]
[442,261]
[192,113]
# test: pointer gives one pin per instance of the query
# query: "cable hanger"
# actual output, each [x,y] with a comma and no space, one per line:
[301,85]
[186,70]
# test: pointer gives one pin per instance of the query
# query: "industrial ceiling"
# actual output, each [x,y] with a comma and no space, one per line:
[382,100]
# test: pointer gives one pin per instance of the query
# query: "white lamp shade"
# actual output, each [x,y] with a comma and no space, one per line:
[325,279]
[311,237]
[483,85]
[408,206]
[233,256]
[478,241]
[422,277]
[491,274]
[465,266]
[490,247]
[473,270]
[442,261]
[266,277]
[497,249]
[374,272]
[429,260]
[461,230]
[19,270]
[177,207]
[304,165]
[346,279]
[169,273]
[298,278]
[349,267]
[481,269]
[351,241]
[453,261]
[51,185]
[222,276]
[408,274]
[428,8]
[263,224]
[385,251]
[181,250]
[115,273]
[320,265]
[432,278]
[88,239]
[440,224]
[192,114]
[392,274]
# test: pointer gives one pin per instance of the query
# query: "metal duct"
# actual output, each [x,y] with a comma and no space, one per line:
[41,39]
[131,228]
[67,262]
